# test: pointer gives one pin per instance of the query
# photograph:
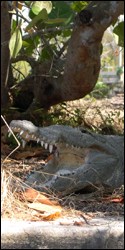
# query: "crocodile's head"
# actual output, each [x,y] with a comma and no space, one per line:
[59,139]
[78,159]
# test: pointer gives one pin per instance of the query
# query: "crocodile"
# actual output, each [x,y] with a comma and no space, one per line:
[81,160]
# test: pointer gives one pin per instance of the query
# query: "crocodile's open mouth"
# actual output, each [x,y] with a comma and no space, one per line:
[79,160]
[64,154]
[60,166]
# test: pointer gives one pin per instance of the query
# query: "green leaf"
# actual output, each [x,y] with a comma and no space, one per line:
[21,70]
[29,45]
[40,5]
[79,5]
[61,9]
[40,17]
[13,26]
[66,33]
[46,54]
[119,31]
[15,43]
[69,19]
[28,3]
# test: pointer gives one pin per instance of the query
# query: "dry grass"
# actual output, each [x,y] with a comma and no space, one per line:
[15,207]
[13,203]
[10,203]
[105,116]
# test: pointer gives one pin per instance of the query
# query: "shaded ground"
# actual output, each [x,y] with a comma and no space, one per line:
[105,233]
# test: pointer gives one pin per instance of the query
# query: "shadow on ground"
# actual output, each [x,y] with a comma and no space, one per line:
[101,233]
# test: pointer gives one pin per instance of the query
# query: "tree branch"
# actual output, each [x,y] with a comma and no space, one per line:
[5,55]
[83,56]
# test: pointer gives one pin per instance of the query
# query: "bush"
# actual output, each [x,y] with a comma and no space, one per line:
[101,90]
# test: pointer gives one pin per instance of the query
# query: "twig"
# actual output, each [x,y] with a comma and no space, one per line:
[47,31]
[14,138]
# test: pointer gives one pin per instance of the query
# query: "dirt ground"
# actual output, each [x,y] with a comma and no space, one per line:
[101,113]
[21,162]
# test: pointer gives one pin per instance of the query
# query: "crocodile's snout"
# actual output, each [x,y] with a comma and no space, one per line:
[27,131]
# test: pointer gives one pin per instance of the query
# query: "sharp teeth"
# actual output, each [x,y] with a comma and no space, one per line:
[9,134]
[56,153]
[18,136]
[27,136]
[38,140]
[21,132]
[42,143]
[50,148]
[46,145]
[23,143]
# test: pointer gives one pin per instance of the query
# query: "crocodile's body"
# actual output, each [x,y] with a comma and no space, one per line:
[80,160]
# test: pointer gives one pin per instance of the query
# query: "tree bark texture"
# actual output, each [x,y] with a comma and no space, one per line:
[5,55]
[83,57]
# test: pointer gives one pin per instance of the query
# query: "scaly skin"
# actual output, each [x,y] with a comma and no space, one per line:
[80,160]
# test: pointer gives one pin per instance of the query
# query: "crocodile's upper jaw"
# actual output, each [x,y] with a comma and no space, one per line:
[28,132]
[67,155]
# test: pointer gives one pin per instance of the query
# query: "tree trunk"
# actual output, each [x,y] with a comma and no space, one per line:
[83,57]
[5,54]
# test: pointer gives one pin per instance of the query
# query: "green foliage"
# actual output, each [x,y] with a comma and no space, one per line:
[42,16]
[110,121]
[119,31]
[15,43]
[119,70]
[37,6]
[48,26]
[60,10]
[21,70]
[29,45]
[100,91]
[79,5]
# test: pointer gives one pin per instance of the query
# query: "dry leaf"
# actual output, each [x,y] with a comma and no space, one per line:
[49,212]
[65,223]
[114,199]
[44,208]
[34,195]
[78,223]
[53,216]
